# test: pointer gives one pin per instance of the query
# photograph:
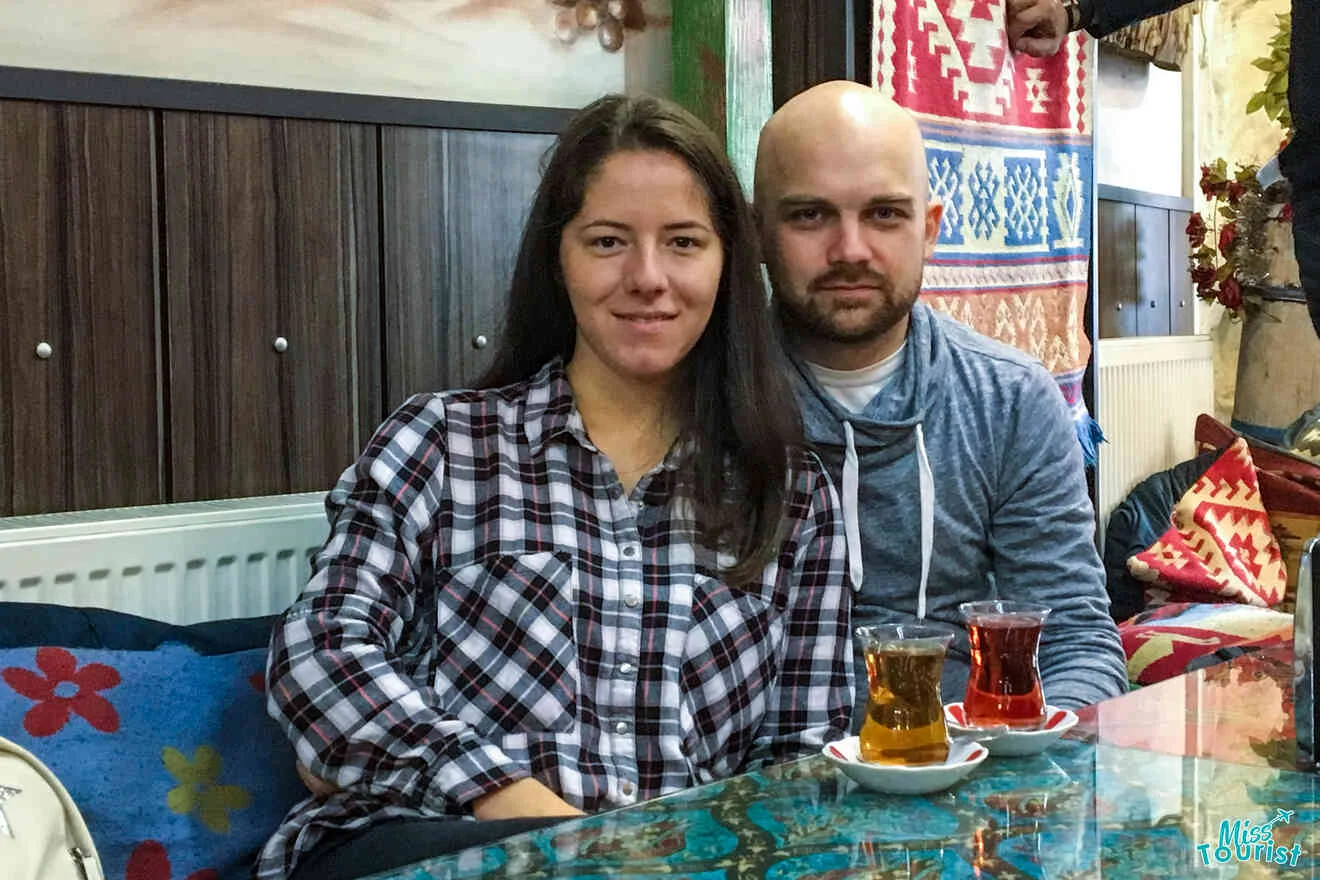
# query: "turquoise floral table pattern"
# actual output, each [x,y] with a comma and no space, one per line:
[1148,788]
[1079,810]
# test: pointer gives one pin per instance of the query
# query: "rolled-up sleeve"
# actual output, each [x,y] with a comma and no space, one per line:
[335,681]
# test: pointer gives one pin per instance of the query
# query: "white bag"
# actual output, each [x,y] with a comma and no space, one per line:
[42,834]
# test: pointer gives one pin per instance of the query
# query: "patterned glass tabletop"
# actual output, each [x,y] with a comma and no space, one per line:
[1120,800]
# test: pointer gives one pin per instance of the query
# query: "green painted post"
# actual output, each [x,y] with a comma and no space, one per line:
[721,56]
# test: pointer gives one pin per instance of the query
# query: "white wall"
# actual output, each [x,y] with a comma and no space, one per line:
[1139,126]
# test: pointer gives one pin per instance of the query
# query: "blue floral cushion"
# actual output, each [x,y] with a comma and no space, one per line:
[168,751]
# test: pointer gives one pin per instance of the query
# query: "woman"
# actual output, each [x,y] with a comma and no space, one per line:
[607,575]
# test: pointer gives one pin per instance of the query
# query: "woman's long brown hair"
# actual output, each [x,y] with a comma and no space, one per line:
[735,401]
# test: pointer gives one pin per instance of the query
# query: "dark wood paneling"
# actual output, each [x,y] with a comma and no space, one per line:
[1152,271]
[1182,293]
[1116,248]
[454,206]
[814,41]
[271,231]
[80,429]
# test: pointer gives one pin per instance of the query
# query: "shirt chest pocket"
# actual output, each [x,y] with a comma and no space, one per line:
[508,658]
[730,660]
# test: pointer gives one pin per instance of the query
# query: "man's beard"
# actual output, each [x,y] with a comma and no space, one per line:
[811,318]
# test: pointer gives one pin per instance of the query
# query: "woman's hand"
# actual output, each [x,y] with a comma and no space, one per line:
[526,798]
[315,784]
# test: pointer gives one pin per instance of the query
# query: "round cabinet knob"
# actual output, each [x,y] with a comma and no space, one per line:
[281,344]
[44,351]
[1182,303]
[1119,307]
[480,341]
[1153,304]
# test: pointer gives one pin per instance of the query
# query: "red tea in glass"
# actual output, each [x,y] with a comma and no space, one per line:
[1003,686]
[904,721]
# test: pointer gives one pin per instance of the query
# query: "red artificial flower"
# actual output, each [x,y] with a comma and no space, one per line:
[1196,230]
[1227,236]
[1285,213]
[1212,184]
[1230,293]
[1203,276]
[149,862]
[1235,192]
[64,689]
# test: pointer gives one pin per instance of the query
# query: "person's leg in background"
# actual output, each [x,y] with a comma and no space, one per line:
[1300,162]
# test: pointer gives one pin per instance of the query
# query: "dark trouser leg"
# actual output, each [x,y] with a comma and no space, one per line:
[399,842]
[1301,161]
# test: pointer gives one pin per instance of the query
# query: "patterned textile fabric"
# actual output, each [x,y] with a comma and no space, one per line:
[1289,487]
[1164,641]
[1303,435]
[168,753]
[1220,544]
[1009,150]
[1161,39]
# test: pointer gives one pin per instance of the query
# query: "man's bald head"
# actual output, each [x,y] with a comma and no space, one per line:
[846,219]
[838,113]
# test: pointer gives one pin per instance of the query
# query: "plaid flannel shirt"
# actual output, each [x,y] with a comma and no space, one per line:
[490,606]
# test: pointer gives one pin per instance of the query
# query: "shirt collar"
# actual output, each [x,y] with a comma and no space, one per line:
[551,412]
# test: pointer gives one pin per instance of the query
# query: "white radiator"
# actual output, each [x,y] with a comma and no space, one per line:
[182,563]
[1151,391]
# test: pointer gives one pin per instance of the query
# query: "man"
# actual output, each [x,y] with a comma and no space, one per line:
[1037,27]
[955,456]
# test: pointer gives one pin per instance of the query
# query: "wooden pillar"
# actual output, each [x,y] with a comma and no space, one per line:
[722,71]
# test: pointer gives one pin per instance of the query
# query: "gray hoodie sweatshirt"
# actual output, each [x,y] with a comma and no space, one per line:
[963,480]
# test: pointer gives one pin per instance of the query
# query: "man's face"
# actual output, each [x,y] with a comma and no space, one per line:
[847,229]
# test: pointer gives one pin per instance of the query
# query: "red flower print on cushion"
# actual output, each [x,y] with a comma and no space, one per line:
[64,688]
[149,862]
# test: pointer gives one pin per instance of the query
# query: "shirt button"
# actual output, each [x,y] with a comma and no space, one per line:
[627,788]
[632,600]
[630,551]
[621,728]
[626,669]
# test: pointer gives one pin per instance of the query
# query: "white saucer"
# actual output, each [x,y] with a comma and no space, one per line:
[1015,742]
[900,779]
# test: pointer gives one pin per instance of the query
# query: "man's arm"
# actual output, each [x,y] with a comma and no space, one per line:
[1038,27]
[1042,539]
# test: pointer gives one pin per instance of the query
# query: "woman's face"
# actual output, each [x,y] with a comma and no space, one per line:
[641,262]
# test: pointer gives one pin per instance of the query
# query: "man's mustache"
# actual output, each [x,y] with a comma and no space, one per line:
[851,278]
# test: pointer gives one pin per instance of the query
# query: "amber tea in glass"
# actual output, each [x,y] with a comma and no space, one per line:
[904,721]
[1003,685]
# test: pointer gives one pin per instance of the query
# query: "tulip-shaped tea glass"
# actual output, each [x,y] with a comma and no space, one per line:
[904,713]
[1003,686]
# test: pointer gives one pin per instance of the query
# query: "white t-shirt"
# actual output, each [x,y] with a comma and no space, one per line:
[854,389]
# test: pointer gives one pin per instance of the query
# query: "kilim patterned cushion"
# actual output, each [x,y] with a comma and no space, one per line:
[1161,643]
[1220,544]
[1289,488]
